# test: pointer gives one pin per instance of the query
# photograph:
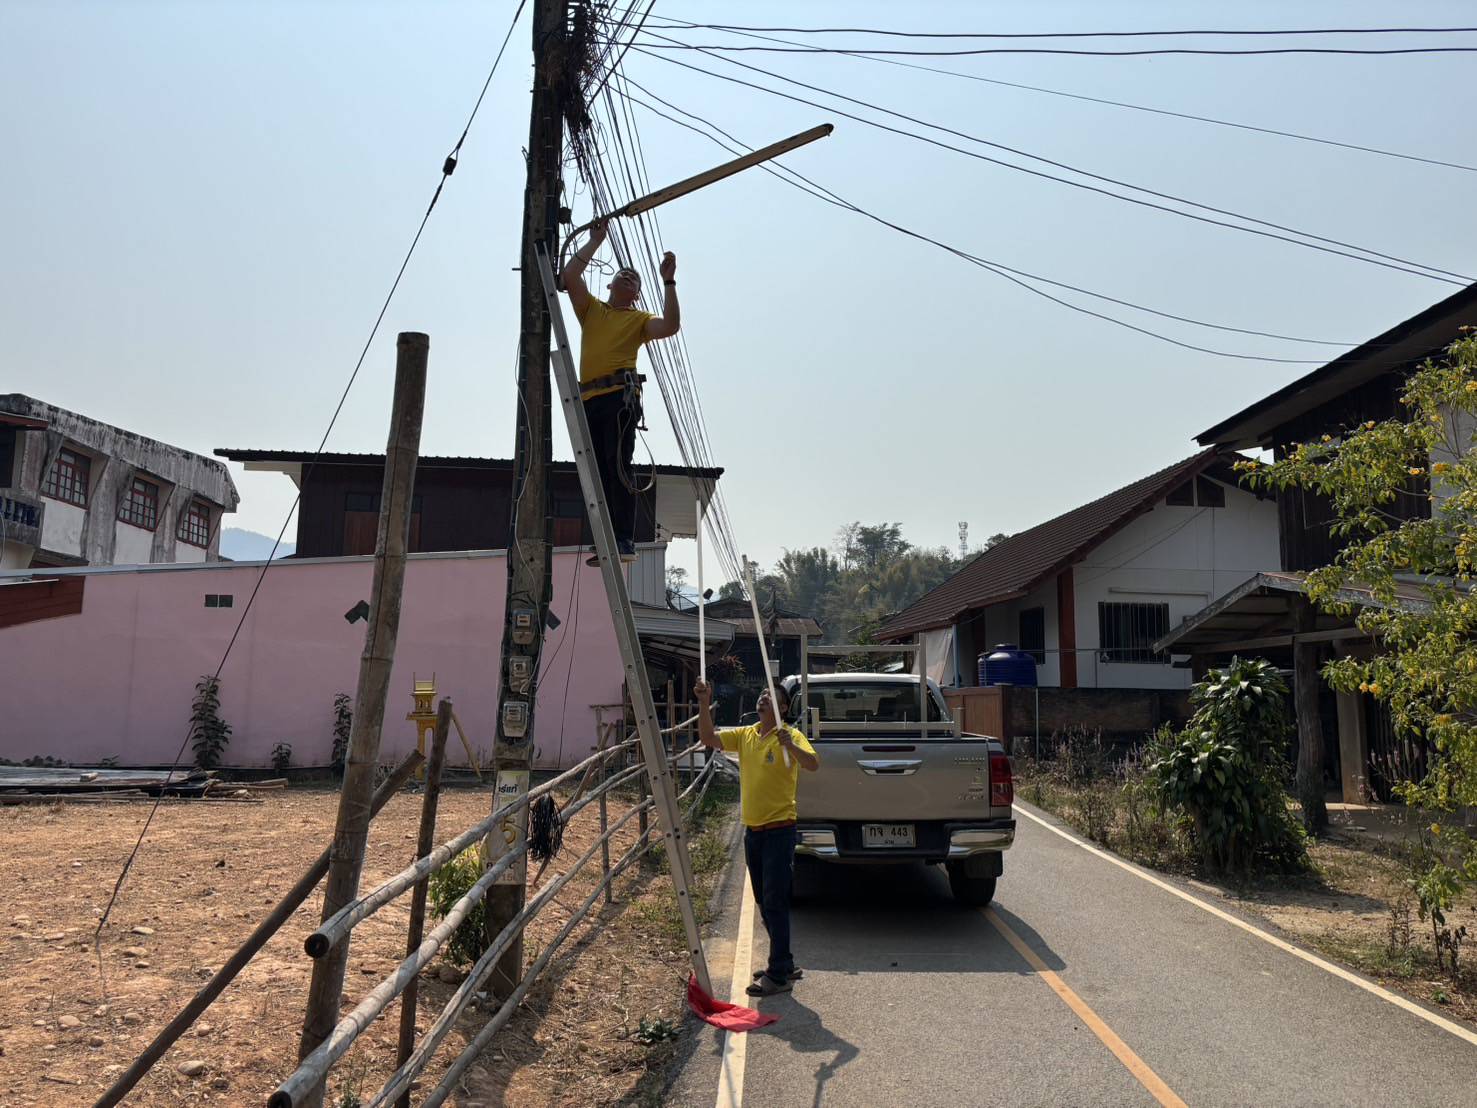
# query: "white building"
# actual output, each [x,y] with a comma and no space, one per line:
[1089,592]
[74,491]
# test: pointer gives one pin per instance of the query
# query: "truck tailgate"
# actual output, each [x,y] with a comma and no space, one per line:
[878,779]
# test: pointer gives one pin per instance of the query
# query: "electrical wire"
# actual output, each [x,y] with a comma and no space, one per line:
[832,197]
[1089,34]
[1387,261]
[448,167]
[1177,50]
[672,24]
[669,361]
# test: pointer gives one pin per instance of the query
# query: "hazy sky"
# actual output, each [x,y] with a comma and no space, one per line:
[205,204]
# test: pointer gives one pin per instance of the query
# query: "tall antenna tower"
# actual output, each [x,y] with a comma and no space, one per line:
[963,539]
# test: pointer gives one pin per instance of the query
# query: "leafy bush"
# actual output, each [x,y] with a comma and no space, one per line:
[448,885]
[343,722]
[209,734]
[1225,771]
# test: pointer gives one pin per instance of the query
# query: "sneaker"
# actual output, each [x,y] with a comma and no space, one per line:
[627,550]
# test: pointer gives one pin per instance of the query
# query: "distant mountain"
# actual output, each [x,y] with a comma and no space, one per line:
[249,546]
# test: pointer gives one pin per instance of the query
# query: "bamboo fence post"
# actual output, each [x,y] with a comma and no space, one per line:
[351,831]
[604,826]
[426,840]
[247,950]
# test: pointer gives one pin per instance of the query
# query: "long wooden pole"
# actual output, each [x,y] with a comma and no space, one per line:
[424,842]
[1305,689]
[351,831]
[259,938]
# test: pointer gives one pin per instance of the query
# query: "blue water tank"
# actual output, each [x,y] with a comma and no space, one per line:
[1007,664]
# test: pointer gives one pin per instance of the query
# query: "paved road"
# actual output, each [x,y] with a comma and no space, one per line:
[1089,986]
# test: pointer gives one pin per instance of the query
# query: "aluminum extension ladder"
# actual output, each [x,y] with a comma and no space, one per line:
[658,771]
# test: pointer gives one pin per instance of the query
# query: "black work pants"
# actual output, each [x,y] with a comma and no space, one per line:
[771,858]
[613,419]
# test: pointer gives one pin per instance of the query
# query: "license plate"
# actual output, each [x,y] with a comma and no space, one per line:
[887,834]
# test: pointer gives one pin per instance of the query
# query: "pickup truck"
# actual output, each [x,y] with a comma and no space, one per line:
[895,787]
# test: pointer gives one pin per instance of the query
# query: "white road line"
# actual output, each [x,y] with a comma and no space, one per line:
[1399,1001]
[736,1044]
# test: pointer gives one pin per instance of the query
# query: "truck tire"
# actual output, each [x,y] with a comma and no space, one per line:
[975,892]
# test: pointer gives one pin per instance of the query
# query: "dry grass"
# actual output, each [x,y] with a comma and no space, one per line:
[207,873]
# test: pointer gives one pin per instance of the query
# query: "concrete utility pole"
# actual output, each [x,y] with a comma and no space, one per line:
[528,549]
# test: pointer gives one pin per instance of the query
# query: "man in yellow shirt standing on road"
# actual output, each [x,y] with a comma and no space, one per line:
[770,756]
[611,332]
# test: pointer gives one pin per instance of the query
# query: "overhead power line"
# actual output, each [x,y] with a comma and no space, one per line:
[672,24]
[1179,50]
[1089,34]
[1373,257]
[1016,276]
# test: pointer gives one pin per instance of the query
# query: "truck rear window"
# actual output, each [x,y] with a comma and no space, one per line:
[870,702]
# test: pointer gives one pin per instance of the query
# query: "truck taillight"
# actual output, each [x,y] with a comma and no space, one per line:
[1002,786]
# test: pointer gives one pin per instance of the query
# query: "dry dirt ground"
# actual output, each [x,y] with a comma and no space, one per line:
[207,873]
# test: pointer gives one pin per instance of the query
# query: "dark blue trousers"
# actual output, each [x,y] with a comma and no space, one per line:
[771,858]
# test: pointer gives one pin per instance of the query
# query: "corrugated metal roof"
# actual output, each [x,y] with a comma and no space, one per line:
[302,457]
[1014,566]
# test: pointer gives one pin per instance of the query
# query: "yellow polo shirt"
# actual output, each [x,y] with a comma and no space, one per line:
[609,339]
[766,784]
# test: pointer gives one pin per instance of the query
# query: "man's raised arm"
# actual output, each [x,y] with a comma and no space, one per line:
[573,274]
[670,321]
[706,733]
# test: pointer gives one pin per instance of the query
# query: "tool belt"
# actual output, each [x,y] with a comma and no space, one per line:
[621,378]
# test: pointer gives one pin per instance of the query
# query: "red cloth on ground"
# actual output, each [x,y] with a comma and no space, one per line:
[730,1017]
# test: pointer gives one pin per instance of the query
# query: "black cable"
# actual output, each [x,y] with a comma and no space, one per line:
[1090,175]
[1001,271]
[1375,260]
[972,257]
[1179,50]
[672,371]
[672,25]
[448,167]
[673,374]
[1087,34]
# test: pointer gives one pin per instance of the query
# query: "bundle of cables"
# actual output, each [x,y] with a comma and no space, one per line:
[545,829]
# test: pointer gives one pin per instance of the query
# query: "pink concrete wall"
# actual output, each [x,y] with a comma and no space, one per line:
[118,679]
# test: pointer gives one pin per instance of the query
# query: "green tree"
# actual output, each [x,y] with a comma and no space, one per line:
[869,546]
[1419,570]
[808,575]
[731,590]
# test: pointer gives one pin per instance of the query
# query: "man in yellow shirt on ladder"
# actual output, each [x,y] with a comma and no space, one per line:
[611,333]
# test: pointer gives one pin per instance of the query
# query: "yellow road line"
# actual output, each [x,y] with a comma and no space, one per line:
[736,1045]
[1131,1061]
[1267,937]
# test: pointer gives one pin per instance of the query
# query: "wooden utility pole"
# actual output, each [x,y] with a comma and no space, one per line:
[529,578]
[351,832]
[1305,688]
